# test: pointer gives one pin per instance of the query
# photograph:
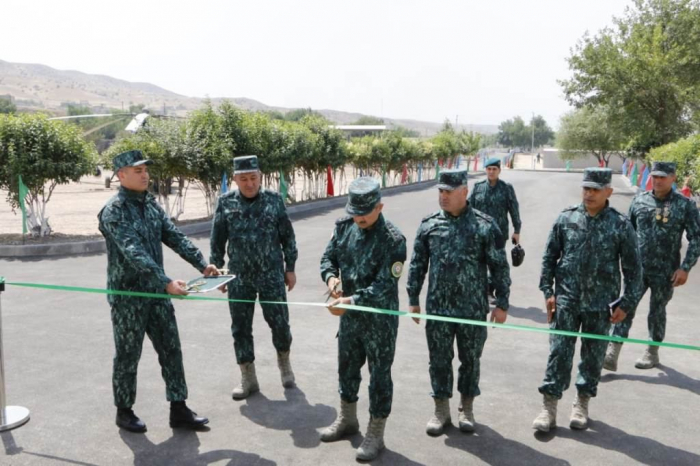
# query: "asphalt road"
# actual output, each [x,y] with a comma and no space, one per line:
[58,357]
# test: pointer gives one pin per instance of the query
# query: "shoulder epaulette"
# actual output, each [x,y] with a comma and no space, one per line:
[345,219]
[394,232]
[571,208]
[482,215]
[428,217]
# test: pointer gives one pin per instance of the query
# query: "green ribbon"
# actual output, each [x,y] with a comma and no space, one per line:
[353,307]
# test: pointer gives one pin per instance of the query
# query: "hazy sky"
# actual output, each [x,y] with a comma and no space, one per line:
[484,61]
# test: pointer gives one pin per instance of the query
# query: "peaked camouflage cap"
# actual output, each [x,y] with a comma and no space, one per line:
[596,178]
[245,164]
[493,162]
[452,179]
[663,169]
[132,158]
[363,195]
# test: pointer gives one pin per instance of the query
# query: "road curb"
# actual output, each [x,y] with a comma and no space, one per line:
[99,246]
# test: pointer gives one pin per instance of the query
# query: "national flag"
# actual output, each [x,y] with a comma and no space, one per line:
[224,184]
[284,188]
[329,182]
[404,174]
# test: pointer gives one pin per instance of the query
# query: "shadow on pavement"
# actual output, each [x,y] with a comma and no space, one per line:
[640,449]
[669,376]
[294,414]
[491,447]
[534,314]
[183,449]
[12,449]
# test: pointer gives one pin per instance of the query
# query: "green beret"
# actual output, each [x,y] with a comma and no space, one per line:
[663,169]
[245,164]
[133,158]
[363,196]
[596,178]
[452,179]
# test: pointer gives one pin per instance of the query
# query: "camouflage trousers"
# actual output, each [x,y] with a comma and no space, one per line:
[276,316]
[661,294]
[372,338]
[131,320]
[557,377]
[470,344]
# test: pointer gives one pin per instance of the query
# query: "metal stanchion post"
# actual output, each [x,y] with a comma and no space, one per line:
[10,416]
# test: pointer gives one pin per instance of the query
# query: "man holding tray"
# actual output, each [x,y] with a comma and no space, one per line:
[134,226]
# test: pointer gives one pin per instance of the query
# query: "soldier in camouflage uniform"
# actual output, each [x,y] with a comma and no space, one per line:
[585,249]
[252,226]
[457,245]
[660,217]
[366,254]
[496,198]
[134,226]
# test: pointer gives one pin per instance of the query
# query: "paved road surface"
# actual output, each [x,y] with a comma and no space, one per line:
[59,347]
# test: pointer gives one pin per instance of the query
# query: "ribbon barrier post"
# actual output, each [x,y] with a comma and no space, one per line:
[10,416]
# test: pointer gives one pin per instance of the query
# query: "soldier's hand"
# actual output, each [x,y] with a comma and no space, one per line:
[516,238]
[223,288]
[618,316]
[679,277]
[498,315]
[414,310]
[337,311]
[551,304]
[211,271]
[332,283]
[290,279]
[177,288]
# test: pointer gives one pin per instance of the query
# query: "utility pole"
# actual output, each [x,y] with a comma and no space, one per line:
[532,123]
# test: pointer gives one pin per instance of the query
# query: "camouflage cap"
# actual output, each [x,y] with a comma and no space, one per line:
[597,178]
[133,158]
[363,196]
[245,164]
[493,162]
[663,169]
[452,179]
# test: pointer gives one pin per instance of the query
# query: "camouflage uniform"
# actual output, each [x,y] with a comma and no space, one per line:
[498,201]
[261,248]
[369,263]
[457,251]
[134,226]
[660,224]
[583,256]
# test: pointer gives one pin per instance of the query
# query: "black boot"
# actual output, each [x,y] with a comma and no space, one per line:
[182,416]
[127,420]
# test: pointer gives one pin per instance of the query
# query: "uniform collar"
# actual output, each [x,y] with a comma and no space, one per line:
[138,196]
[603,211]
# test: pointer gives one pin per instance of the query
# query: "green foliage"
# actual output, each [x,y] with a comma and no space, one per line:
[645,70]
[368,120]
[6,106]
[515,133]
[46,154]
[588,130]
[686,154]
[299,113]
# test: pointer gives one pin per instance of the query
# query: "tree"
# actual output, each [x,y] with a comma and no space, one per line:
[686,154]
[368,120]
[7,106]
[513,133]
[45,153]
[589,130]
[543,134]
[644,69]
